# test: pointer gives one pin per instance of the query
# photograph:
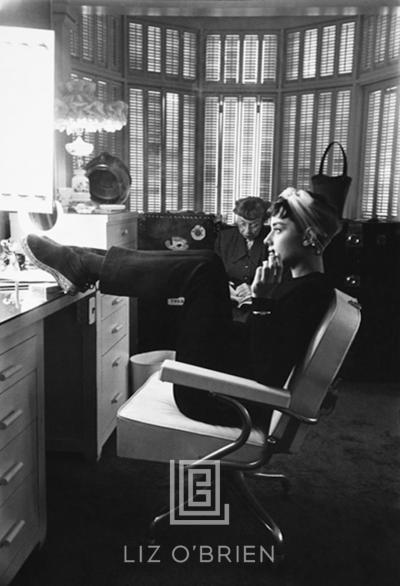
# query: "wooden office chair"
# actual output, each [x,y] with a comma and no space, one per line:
[150,427]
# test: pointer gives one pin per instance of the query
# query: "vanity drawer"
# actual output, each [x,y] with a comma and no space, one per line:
[114,328]
[19,522]
[114,381]
[18,407]
[17,459]
[110,304]
[17,362]
[122,233]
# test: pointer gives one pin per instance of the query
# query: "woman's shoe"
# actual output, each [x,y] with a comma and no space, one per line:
[62,262]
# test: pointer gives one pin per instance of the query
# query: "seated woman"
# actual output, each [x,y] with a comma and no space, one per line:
[241,247]
[284,314]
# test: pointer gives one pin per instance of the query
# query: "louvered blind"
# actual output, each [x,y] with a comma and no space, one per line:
[188,152]
[101,39]
[381,38]
[136,150]
[318,51]
[154,49]
[213,57]
[135,46]
[269,57]
[211,155]
[250,59]
[292,56]
[310,53]
[189,55]
[310,121]
[229,155]
[171,151]
[394,37]
[154,151]
[381,161]
[231,58]
[327,65]
[162,150]
[266,153]
[172,52]
[305,140]
[346,48]
[249,147]
[238,151]
[87,36]
[288,141]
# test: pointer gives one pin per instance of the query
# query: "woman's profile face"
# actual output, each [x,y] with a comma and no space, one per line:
[249,229]
[285,240]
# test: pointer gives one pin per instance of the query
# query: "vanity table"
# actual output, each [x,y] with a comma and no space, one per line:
[47,347]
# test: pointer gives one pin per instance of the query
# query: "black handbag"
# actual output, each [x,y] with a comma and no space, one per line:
[334,188]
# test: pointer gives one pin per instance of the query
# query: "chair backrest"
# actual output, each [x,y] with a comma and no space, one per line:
[311,379]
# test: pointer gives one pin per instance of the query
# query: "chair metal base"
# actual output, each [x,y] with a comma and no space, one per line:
[237,481]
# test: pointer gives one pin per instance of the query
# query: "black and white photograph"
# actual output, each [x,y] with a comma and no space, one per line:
[199,293]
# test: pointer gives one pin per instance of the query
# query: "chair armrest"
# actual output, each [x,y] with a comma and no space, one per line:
[220,383]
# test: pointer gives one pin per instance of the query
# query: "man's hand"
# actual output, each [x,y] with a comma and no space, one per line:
[267,276]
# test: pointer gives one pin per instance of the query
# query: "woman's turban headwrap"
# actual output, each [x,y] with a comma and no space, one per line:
[313,214]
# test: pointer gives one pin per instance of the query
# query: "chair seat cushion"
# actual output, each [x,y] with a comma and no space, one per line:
[150,427]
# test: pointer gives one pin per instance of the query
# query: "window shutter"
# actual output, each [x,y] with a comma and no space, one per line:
[381,38]
[324,124]
[385,160]
[136,150]
[189,152]
[211,154]
[189,55]
[292,56]
[101,39]
[231,58]
[87,36]
[381,162]
[154,49]
[229,155]
[305,140]
[135,46]
[288,140]
[327,65]
[154,151]
[394,38]
[310,53]
[269,57]
[346,48]
[213,57]
[171,151]
[248,149]
[341,127]
[266,141]
[250,59]
[172,52]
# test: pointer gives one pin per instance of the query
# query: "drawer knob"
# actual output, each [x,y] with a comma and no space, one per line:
[117,328]
[10,371]
[10,418]
[116,300]
[116,361]
[116,398]
[125,232]
[12,534]
[11,473]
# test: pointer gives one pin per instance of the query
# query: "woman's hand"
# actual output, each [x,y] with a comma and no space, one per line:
[267,276]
